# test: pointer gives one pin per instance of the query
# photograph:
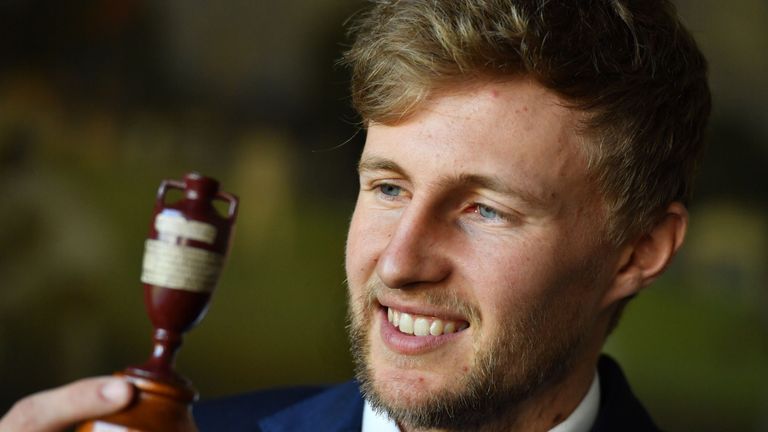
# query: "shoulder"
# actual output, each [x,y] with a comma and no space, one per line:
[619,408]
[336,408]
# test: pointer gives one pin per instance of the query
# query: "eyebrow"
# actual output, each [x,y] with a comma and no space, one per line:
[496,184]
[374,163]
[492,183]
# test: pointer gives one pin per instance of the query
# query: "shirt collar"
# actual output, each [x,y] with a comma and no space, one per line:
[580,420]
[583,417]
[375,421]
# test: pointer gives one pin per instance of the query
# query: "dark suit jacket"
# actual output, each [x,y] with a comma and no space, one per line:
[340,408]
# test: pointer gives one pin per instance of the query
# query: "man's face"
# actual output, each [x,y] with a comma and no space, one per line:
[474,259]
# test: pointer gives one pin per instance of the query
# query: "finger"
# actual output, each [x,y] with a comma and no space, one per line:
[62,407]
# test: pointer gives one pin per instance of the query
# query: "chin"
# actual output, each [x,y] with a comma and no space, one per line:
[408,386]
[409,382]
[400,393]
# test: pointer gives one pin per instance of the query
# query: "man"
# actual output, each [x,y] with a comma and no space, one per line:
[525,174]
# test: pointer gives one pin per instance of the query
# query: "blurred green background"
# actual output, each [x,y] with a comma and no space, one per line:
[100,100]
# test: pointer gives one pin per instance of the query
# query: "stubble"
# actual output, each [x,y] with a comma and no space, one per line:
[525,357]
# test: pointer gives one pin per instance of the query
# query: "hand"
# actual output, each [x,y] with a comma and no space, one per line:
[62,407]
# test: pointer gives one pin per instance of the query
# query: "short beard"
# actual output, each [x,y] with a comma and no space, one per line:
[527,357]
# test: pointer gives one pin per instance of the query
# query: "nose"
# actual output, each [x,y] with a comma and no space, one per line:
[415,254]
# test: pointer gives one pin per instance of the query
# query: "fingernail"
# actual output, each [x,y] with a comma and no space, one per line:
[115,390]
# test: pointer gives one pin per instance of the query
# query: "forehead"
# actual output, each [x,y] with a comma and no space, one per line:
[516,131]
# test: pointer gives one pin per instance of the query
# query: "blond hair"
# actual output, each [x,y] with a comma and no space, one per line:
[631,66]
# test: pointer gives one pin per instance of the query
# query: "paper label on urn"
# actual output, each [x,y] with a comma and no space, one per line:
[169,224]
[180,267]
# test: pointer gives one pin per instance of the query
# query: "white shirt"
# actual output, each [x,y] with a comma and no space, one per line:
[580,420]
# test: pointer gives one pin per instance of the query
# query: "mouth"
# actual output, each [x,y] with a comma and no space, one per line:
[416,331]
[423,325]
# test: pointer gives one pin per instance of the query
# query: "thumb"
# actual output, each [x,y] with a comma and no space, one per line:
[62,407]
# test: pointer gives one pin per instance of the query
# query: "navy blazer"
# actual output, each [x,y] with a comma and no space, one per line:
[340,408]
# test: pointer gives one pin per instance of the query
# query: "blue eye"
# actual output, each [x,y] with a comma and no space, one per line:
[487,212]
[390,190]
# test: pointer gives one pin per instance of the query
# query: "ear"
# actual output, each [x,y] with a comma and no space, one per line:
[642,260]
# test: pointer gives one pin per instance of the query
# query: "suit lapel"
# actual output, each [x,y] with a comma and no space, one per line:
[619,408]
[338,409]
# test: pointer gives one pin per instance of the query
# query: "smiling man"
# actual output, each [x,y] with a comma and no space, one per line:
[525,174]
[479,276]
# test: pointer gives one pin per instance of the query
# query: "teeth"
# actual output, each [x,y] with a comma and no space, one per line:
[449,328]
[406,323]
[422,325]
[436,329]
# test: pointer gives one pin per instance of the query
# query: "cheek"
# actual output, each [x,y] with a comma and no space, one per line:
[354,244]
[509,284]
[363,242]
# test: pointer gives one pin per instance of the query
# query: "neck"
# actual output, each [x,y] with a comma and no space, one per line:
[554,404]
